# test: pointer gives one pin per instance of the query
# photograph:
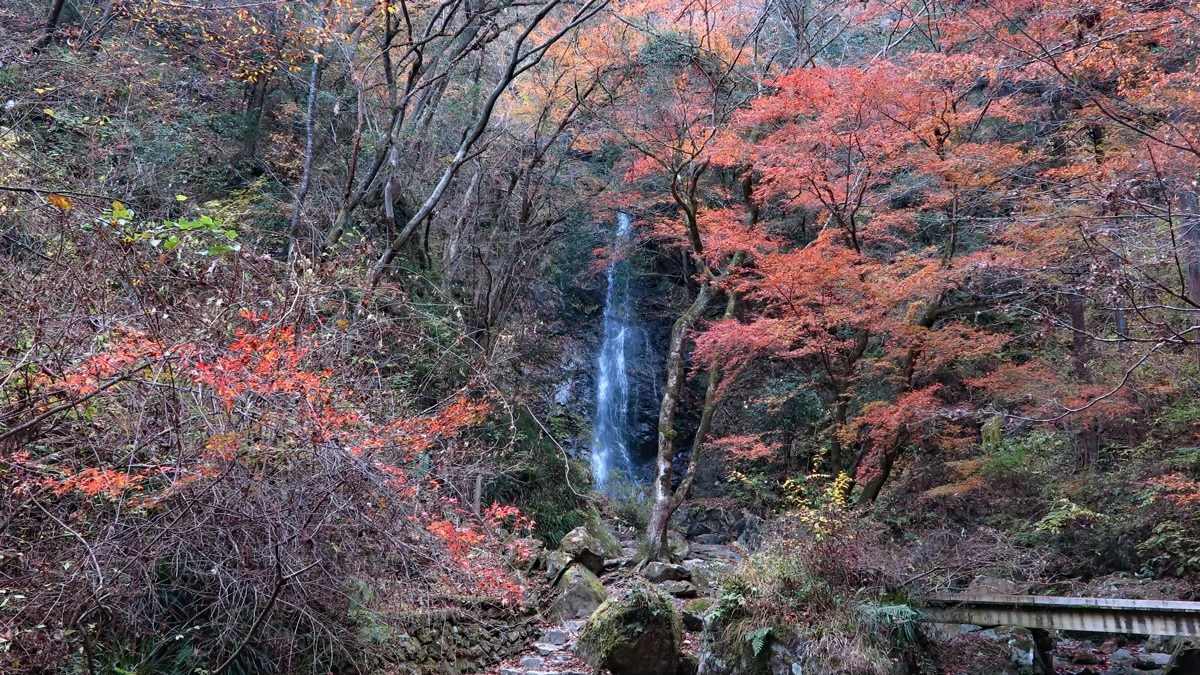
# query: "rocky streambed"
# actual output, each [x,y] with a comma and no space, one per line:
[607,614]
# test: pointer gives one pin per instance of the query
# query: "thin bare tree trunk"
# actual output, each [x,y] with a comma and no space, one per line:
[520,59]
[1189,208]
[294,237]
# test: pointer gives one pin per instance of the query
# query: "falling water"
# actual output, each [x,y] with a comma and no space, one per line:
[610,429]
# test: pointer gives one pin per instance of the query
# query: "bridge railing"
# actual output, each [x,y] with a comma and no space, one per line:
[1099,615]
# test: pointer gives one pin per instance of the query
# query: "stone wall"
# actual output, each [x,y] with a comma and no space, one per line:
[459,640]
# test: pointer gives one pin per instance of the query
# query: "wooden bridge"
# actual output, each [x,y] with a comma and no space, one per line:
[1097,615]
[1040,614]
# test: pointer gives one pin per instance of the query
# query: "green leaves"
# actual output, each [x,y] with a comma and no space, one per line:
[206,236]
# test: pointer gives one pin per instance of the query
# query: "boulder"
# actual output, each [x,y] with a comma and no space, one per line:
[679,589]
[1152,661]
[707,574]
[596,527]
[1187,661]
[656,572]
[639,634]
[693,613]
[678,546]
[750,529]
[556,562]
[528,554]
[579,594]
[555,636]
[583,549]
[1122,657]
[611,564]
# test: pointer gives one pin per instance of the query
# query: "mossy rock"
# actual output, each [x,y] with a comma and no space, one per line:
[596,527]
[638,634]
[693,613]
[583,549]
[678,546]
[579,594]
[556,562]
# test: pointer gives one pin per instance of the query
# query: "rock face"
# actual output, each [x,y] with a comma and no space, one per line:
[579,594]
[583,549]
[639,634]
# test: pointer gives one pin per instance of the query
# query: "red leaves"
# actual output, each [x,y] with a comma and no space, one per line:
[475,551]
[1177,489]
[747,447]
[94,481]
[125,350]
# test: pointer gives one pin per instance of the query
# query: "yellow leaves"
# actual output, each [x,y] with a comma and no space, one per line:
[181,198]
[48,112]
[60,202]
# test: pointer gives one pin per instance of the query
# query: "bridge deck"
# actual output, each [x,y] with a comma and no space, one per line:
[1100,615]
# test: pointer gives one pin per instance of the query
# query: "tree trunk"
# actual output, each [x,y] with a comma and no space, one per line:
[870,491]
[295,236]
[254,116]
[841,403]
[710,407]
[1075,308]
[1189,208]
[887,461]
[51,25]
[656,533]
[1089,436]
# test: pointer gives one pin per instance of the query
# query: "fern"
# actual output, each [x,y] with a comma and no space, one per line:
[758,639]
[900,621]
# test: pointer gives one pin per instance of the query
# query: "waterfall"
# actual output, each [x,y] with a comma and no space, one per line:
[610,428]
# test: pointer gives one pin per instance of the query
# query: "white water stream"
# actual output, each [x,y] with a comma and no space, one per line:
[610,428]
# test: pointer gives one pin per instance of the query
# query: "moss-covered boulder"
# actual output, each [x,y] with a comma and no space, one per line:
[638,634]
[693,613]
[583,549]
[579,594]
[678,546]
[556,562]
[596,527]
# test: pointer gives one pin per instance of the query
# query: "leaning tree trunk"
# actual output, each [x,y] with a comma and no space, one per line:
[659,520]
[51,25]
[656,533]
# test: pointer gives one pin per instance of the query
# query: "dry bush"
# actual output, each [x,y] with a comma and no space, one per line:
[210,461]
